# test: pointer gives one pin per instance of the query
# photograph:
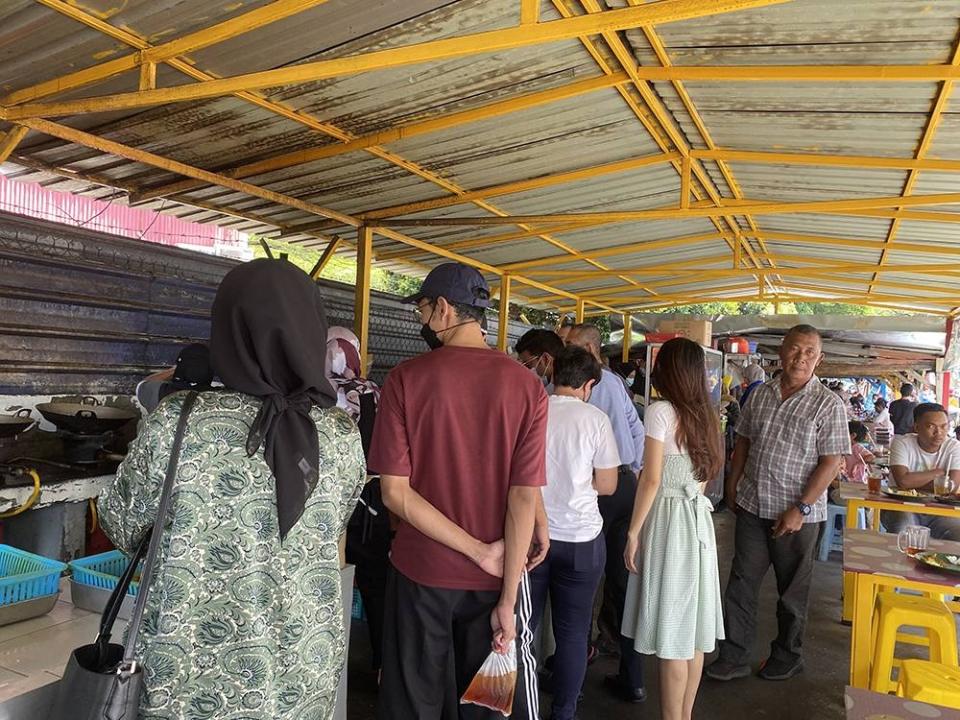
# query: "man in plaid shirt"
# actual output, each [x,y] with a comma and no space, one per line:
[791,439]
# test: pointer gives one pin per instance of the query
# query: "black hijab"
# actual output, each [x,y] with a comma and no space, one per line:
[269,339]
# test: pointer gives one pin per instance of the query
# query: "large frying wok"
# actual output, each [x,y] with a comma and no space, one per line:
[15,424]
[87,417]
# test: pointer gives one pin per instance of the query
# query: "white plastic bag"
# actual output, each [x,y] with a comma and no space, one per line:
[495,682]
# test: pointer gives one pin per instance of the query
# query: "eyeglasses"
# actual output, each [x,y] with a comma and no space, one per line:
[418,310]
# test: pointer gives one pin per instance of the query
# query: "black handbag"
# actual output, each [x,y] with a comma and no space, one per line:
[103,681]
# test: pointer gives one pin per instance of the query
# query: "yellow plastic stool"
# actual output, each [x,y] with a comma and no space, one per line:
[894,611]
[930,682]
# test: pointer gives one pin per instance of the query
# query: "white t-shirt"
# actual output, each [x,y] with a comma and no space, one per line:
[906,452]
[660,422]
[579,439]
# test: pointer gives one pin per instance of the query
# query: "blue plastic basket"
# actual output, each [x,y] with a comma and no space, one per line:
[103,571]
[25,576]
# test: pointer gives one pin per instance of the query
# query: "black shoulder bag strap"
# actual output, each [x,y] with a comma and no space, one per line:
[148,549]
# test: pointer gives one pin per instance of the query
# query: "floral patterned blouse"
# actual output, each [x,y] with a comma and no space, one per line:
[237,624]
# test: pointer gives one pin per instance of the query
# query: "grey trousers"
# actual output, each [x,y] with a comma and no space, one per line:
[792,558]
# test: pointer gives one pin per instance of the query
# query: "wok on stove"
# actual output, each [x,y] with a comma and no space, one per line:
[87,417]
[11,425]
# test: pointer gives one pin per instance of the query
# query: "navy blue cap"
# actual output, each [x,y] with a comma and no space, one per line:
[456,282]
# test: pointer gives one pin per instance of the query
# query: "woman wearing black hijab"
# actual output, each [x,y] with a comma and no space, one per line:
[243,615]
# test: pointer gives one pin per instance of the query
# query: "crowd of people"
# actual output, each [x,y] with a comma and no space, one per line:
[474,489]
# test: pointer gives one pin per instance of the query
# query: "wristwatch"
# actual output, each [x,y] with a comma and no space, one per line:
[803,508]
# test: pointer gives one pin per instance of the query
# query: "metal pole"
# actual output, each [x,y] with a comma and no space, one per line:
[361,310]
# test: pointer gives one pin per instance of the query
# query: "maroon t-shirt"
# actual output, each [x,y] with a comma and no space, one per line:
[464,424]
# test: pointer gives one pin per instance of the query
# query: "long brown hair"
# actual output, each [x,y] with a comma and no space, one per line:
[680,376]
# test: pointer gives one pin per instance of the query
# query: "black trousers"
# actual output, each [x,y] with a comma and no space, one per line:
[434,642]
[616,510]
[570,576]
[792,558]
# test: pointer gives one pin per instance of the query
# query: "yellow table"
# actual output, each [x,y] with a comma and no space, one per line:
[875,563]
[857,495]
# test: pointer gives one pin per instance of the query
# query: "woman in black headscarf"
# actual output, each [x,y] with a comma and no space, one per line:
[244,615]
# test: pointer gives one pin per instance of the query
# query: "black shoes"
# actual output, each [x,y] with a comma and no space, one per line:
[780,669]
[615,685]
[771,669]
[723,670]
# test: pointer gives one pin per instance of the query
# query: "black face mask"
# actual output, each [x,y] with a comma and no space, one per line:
[430,336]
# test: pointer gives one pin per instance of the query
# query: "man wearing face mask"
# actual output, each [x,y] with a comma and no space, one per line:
[459,444]
[537,351]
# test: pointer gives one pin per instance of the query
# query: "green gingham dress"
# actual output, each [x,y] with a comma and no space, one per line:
[673,606]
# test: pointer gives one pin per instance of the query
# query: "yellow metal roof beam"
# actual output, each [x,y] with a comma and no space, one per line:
[520,186]
[639,247]
[218,33]
[401,132]
[779,298]
[10,139]
[525,35]
[659,126]
[310,122]
[866,162]
[664,59]
[754,207]
[114,148]
[933,122]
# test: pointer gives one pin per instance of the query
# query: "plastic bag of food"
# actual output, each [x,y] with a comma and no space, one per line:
[494,684]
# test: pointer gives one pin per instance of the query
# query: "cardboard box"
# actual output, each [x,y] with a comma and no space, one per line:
[697,330]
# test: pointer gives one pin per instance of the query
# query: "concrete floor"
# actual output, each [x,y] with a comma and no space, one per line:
[817,694]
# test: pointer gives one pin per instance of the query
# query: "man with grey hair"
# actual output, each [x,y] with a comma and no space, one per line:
[792,437]
[610,395]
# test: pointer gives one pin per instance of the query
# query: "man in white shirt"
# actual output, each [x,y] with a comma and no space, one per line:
[582,464]
[918,462]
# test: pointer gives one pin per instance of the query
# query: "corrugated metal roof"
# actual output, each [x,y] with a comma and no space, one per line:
[877,119]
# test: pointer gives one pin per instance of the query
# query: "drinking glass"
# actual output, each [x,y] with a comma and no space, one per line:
[945,486]
[913,539]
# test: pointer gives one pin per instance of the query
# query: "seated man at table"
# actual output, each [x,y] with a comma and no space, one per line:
[917,461]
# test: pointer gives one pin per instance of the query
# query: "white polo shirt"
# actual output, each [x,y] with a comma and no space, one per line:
[579,439]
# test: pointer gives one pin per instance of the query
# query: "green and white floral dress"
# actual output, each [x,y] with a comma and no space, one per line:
[238,625]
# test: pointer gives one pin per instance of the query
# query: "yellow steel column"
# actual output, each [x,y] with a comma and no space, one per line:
[502,327]
[685,182]
[580,309]
[361,308]
[627,336]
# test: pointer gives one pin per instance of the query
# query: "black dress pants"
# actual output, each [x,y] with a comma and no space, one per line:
[435,641]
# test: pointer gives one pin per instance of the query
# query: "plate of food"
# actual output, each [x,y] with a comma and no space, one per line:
[939,560]
[902,494]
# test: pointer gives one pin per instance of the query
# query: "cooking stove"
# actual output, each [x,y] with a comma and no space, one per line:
[58,456]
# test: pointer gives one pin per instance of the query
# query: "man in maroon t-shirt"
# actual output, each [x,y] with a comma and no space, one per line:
[459,443]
